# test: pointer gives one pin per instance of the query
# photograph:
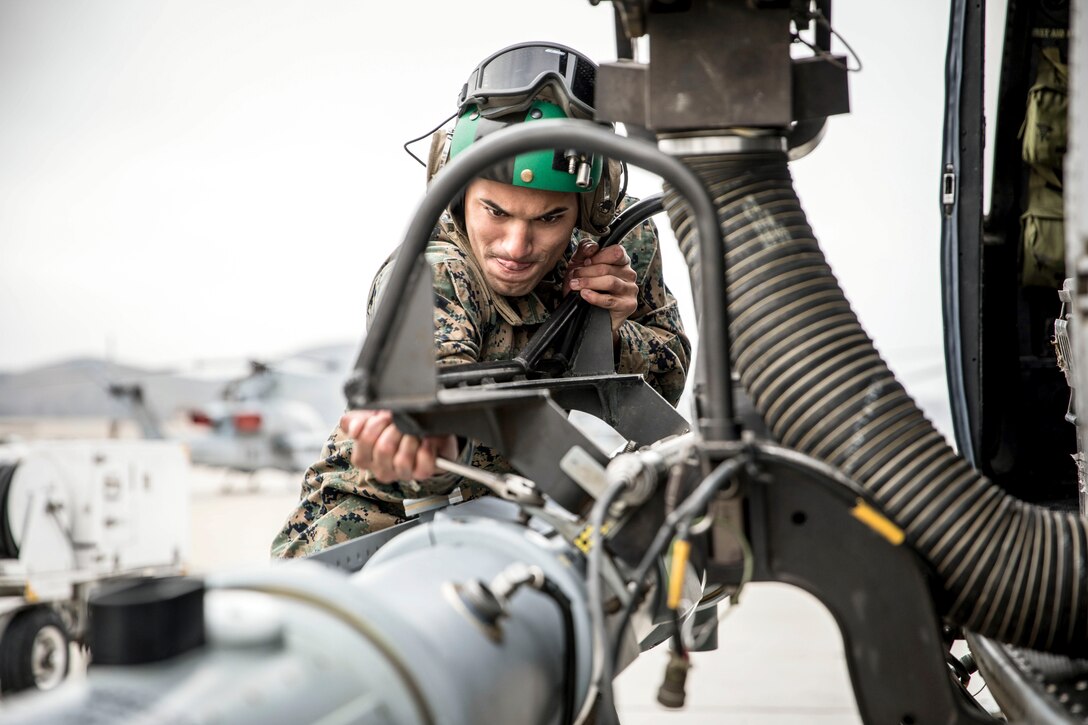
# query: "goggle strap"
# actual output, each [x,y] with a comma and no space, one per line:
[472,90]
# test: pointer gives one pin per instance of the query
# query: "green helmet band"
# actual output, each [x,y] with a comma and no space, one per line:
[549,170]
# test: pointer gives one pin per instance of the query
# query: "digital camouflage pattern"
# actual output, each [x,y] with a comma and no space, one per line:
[472,324]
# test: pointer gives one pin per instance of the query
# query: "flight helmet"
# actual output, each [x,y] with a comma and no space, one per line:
[525,83]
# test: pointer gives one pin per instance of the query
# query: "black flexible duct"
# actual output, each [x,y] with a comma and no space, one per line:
[1011,571]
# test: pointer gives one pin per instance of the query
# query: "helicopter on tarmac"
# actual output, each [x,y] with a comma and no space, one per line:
[255,424]
[274,416]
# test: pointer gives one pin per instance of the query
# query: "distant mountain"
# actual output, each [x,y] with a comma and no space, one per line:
[80,387]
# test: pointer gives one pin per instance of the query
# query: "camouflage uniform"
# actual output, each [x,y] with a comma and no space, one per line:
[473,324]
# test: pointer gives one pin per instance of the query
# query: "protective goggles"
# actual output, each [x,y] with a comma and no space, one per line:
[509,80]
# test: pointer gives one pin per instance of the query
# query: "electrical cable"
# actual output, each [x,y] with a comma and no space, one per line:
[631,217]
[420,138]
[672,487]
[819,52]
[677,637]
[747,557]
[606,712]
[566,323]
[821,19]
[697,500]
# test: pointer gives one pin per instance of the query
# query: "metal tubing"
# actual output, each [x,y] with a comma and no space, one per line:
[717,409]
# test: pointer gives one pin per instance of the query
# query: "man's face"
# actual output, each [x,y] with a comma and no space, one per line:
[517,234]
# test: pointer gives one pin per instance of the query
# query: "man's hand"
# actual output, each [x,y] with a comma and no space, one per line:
[389,454]
[605,279]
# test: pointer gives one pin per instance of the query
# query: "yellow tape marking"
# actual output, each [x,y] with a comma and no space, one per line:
[878,522]
[680,551]
[583,540]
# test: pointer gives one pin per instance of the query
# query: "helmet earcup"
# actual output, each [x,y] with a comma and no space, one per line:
[598,208]
[439,153]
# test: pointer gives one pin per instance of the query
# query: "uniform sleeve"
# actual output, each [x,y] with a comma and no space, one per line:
[336,505]
[652,341]
[460,307]
[338,501]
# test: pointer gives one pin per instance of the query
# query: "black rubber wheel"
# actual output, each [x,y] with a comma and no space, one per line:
[8,548]
[34,651]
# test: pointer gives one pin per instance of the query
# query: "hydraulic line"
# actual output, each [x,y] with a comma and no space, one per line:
[1010,571]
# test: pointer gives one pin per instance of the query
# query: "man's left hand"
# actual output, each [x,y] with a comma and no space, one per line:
[604,278]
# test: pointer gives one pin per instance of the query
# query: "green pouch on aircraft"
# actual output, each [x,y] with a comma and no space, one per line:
[1042,231]
[1044,129]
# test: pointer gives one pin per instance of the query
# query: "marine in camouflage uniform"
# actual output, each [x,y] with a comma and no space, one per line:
[473,324]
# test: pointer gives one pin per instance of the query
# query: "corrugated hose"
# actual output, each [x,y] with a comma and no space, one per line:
[1011,571]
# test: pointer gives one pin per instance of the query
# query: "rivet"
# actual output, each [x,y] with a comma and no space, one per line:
[527,175]
[536,113]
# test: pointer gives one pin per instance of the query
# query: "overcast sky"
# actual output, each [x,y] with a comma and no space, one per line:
[204,179]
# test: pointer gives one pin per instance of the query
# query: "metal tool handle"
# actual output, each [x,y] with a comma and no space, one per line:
[506,485]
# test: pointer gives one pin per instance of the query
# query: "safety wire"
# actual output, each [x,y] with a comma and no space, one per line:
[821,19]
